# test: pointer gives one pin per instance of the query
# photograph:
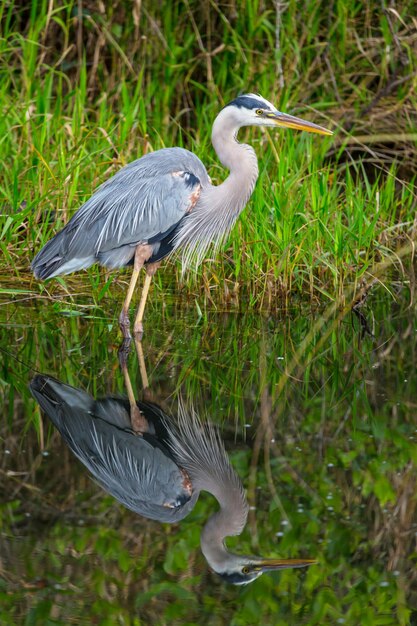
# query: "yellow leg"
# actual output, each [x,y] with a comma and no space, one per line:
[150,271]
[142,254]
[138,327]
[124,313]
[142,365]
[138,421]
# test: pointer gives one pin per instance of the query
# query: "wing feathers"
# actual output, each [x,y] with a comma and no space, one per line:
[145,199]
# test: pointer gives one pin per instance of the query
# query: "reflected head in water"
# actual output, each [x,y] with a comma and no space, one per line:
[157,468]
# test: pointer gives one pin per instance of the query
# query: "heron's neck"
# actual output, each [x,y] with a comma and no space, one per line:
[219,206]
[229,520]
[240,159]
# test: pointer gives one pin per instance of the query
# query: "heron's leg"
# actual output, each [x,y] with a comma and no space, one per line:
[138,326]
[142,253]
[137,420]
[142,365]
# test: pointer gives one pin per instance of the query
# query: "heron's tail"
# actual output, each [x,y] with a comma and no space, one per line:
[64,403]
[50,258]
[63,254]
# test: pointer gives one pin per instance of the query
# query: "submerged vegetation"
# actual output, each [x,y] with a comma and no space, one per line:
[86,87]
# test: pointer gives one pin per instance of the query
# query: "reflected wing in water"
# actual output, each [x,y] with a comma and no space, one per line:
[138,470]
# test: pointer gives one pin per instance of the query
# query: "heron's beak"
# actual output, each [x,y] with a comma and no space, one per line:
[272,564]
[289,121]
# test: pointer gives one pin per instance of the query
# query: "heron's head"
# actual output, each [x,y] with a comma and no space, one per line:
[253,110]
[241,570]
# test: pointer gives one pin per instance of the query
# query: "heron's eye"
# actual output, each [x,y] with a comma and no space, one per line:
[259,112]
[245,570]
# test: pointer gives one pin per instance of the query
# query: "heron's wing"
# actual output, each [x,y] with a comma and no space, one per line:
[144,200]
[141,476]
[142,203]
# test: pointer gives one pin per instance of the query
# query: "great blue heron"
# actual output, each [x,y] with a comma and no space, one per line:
[163,201]
[158,469]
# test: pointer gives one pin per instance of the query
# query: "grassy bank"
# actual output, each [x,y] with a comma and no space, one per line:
[87,87]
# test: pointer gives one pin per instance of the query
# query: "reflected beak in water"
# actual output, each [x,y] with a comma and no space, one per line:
[269,565]
[289,121]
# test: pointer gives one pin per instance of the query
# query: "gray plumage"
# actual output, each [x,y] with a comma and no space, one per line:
[160,472]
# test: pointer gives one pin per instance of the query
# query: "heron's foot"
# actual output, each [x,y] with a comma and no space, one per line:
[138,331]
[124,351]
[124,324]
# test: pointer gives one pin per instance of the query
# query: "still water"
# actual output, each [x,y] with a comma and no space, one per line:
[317,411]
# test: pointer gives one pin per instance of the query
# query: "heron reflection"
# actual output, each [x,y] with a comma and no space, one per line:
[157,467]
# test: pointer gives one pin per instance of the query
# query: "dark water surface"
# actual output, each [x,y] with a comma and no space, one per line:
[318,417]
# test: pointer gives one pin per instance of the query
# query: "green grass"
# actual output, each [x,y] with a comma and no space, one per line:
[82,96]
